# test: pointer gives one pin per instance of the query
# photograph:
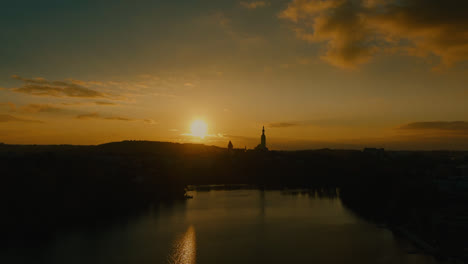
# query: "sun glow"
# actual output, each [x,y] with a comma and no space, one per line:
[199,128]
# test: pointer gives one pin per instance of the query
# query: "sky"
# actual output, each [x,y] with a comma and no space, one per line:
[315,73]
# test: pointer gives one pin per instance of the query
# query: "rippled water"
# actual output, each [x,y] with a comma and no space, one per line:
[239,226]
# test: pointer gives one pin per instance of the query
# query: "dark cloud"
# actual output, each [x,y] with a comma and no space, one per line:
[455,126]
[10,118]
[43,87]
[104,103]
[98,116]
[282,124]
[118,118]
[326,122]
[354,30]
[88,116]
[71,103]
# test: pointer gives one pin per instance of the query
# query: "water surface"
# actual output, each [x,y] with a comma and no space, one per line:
[236,226]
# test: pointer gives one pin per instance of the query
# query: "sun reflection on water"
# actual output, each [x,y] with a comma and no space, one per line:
[185,249]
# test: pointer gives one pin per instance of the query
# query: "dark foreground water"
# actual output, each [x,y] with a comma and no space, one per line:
[239,226]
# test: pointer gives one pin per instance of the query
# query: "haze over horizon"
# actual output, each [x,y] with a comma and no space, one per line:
[315,73]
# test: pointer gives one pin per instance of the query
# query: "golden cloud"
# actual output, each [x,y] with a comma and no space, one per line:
[355,30]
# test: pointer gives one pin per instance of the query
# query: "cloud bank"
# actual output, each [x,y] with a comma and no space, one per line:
[353,31]
[454,126]
[44,87]
[10,118]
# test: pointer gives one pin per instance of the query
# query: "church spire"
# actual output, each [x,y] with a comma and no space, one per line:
[262,146]
[263,138]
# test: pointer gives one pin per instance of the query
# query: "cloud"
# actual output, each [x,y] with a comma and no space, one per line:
[42,87]
[353,31]
[166,86]
[98,116]
[117,118]
[87,83]
[71,103]
[31,108]
[88,116]
[282,124]
[10,118]
[104,103]
[326,122]
[11,106]
[455,126]
[254,4]
[39,108]
[149,121]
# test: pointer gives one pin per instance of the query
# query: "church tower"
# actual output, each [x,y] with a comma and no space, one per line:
[230,146]
[263,139]
[262,146]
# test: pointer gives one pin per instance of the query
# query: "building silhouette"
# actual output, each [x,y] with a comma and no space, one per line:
[262,146]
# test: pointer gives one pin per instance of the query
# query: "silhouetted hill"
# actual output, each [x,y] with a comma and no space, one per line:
[157,148]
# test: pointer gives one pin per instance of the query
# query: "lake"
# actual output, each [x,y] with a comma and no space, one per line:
[230,226]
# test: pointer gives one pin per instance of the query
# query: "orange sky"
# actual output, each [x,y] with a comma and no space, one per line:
[315,73]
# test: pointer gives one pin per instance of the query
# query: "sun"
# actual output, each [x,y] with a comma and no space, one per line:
[199,128]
